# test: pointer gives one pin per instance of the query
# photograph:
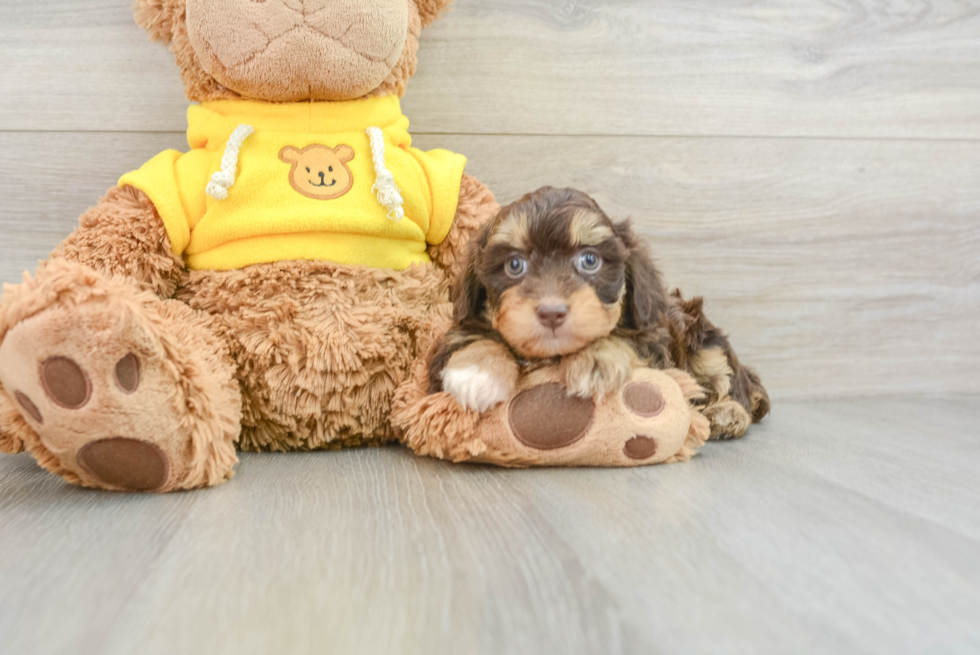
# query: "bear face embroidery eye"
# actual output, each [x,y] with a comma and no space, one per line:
[331,169]
[588,262]
[308,169]
[516,267]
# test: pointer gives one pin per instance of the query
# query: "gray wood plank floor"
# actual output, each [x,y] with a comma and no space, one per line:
[834,527]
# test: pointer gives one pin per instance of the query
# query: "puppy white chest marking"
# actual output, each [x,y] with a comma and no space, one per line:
[474,388]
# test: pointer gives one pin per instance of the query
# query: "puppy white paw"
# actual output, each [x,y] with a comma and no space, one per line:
[476,388]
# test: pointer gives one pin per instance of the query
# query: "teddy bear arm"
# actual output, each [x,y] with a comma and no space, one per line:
[476,207]
[124,235]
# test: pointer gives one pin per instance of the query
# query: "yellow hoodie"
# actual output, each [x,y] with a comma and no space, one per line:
[337,181]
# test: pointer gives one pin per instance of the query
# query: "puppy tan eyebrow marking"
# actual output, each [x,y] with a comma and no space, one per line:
[513,231]
[587,229]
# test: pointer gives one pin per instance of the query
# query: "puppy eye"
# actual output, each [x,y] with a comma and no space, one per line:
[516,267]
[588,262]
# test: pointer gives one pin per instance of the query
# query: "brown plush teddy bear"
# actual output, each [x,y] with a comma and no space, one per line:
[269,288]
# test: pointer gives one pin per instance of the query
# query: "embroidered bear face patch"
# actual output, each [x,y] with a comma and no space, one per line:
[319,172]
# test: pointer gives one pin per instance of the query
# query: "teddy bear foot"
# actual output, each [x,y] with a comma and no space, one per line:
[649,421]
[107,387]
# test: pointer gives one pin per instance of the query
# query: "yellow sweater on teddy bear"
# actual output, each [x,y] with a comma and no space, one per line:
[335,181]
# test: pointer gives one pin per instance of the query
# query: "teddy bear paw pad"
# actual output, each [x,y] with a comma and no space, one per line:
[65,383]
[28,406]
[640,448]
[644,399]
[128,374]
[547,418]
[126,463]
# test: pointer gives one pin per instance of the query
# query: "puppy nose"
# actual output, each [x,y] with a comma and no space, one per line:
[552,316]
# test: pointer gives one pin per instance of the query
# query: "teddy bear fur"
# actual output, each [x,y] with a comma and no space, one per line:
[293,355]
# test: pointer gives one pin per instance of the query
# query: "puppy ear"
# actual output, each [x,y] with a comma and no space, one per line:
[429,10]
[344,152]
[469,295]
[646,300]
[157,17]
[289,155]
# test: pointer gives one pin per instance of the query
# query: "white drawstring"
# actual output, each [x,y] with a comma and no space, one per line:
[389,195]
[224,179]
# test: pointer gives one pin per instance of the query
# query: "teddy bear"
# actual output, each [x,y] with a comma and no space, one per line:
[267,289]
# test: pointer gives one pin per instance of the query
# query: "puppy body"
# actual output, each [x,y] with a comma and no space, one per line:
[552,280]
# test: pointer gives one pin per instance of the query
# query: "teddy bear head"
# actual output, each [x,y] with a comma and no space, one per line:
[290,50]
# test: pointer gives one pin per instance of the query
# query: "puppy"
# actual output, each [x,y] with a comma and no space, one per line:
[553,281]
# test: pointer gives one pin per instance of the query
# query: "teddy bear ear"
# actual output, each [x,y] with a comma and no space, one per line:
[157,17]
[289,154]
[344,152]
[429,10]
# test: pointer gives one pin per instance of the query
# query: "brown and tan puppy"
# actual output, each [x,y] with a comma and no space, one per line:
[552,280]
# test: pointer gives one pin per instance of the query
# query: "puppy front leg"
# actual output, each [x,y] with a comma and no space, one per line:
[599,369]
[480,375]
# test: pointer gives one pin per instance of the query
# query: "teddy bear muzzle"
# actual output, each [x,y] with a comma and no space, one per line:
[322,49]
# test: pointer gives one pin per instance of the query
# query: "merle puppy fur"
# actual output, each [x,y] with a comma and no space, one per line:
[552,280]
